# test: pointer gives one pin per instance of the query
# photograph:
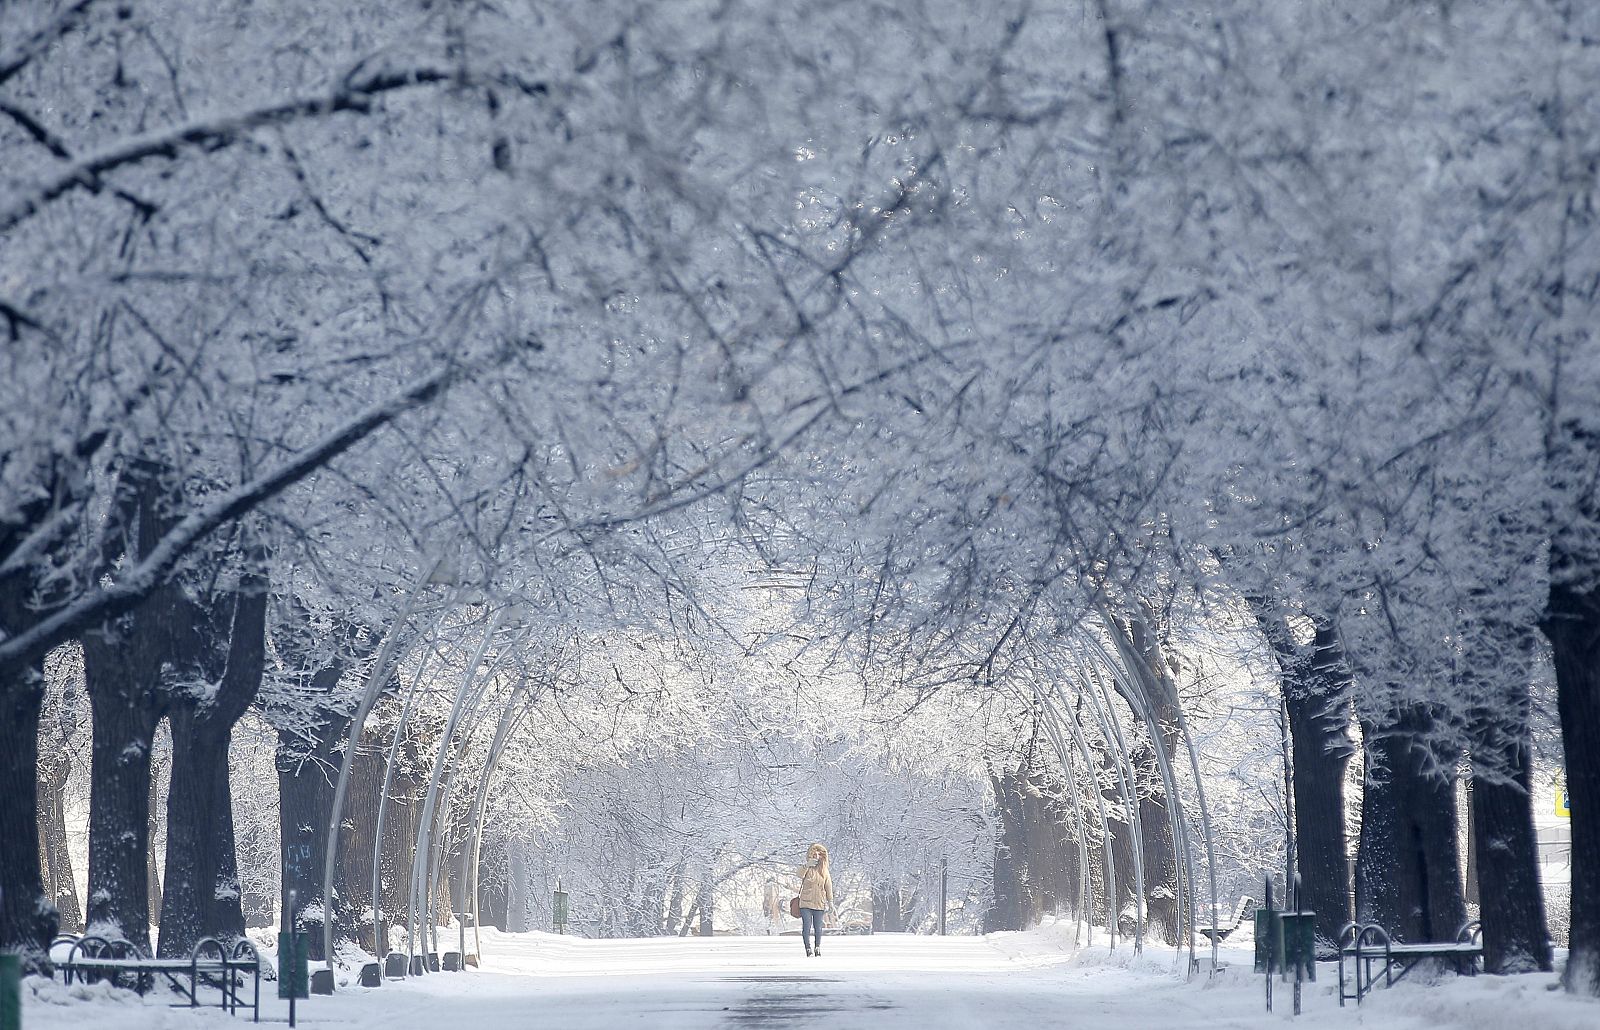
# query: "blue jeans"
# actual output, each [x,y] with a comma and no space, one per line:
[811,927]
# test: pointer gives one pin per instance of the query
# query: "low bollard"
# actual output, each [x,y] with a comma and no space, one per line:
[10,992]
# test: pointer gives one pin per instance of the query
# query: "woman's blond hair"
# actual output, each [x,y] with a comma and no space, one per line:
[822,863]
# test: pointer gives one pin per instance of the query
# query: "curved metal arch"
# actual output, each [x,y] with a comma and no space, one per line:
[1068,765]
[419,863]
[1205,825]
[1109,865]
[1177,812]
[1111,730]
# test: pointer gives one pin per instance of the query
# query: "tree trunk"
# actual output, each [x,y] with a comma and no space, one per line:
[125,720]
[1473,829]
[55,860]
[517,891]
[1318,729]
[307,771]
[1516,936]
[1409,864]
[1009,910]
[202,897]
[353,878]
[1572,625]
[202,884]
[27,919]
[1316,688]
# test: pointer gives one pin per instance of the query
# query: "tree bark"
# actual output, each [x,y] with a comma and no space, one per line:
[125,720]
[307,770]
[202,897]
[1572,625]
[1408,865]
[1516,935]
[1316,689]
[1009,910]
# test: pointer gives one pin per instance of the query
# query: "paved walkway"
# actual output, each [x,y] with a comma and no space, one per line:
[882,981]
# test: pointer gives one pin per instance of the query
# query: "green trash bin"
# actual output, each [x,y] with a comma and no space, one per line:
[558,909]
[1300,944]
[294,964]
[1269,941]
[10,992]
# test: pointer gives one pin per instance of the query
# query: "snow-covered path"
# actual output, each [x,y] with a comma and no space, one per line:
[1023,981]
[896,981]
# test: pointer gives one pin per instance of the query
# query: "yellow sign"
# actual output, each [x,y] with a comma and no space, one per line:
[1563,804]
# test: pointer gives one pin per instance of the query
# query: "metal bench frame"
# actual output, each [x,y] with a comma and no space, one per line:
[1366,944]
[1219,933]
[93,957]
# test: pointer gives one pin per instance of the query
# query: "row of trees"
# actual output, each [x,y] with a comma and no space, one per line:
[990,330]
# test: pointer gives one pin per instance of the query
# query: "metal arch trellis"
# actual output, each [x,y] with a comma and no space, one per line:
[1200,798]
[1137,691]
[1135,694]
[422,858]
[1111,731]
[1085,893]
[468,730]
[1069,767]
[1109,866]
[1092,685]
[376,677]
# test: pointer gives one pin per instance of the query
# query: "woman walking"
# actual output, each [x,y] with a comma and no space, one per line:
[816,894]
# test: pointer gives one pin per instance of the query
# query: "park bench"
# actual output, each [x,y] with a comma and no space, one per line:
[1218,932]
[1368,945]
[210,964]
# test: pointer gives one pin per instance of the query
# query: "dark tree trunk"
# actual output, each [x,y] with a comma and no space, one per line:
[1010,909]
[1503,851]
[202,897]
[130,665]
[125,720]
[1409,865]
[400,824]
[307,772]
[1378,850]
[27,920]
[353,878]
[1316,689]
[1572,624]
[1160,861]
[55,860]
[1516,937]
[888,916]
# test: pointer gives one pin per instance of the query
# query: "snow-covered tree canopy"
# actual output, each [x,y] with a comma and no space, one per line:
[954,354]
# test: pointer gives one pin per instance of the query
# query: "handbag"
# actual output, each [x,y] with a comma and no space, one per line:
[794,907]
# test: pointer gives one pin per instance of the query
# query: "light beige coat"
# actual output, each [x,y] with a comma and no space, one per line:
[816,888]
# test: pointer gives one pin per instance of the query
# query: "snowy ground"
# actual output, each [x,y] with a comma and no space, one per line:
[1025,981]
